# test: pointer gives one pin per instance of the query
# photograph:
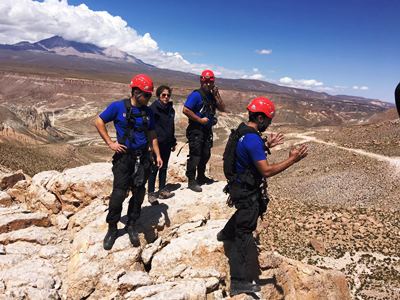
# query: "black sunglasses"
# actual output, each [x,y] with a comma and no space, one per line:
[146,95]
[165,95]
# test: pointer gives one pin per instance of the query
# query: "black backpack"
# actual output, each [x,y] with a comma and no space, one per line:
[230,153]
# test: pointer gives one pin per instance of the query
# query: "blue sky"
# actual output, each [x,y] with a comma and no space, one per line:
[341,47]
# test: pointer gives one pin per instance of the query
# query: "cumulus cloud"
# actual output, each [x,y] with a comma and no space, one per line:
[308,84]
[264,51]
[256,76]
[362,88]
[28,20]
[300,83]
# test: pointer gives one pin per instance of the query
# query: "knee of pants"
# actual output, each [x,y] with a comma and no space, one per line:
[139,192]
[117,198]
[243,241]
[207,153]
[163,168]
[194,160]
[196,151]
[196,145]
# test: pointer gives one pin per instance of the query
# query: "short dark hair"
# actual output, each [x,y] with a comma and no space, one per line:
[254,115]
[161,88]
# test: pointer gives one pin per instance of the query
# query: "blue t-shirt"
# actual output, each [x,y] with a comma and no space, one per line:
[116,112]
[249,150]
[195,103]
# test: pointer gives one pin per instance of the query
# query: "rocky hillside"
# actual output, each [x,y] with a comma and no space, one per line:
[59,216]
[51,231]
[26,125]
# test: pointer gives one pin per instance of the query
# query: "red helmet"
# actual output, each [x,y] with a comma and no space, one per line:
[207,75]
[142,82]
[263,105]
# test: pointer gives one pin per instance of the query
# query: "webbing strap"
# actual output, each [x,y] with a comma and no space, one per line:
[131,121]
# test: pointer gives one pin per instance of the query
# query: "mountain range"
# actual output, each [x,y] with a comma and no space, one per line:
[60,46]
[56,54]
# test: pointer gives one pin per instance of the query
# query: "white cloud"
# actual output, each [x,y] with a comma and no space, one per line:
[308,84]
[257,76]
[27,20]
[362,88]
[286,80]
[301,83]
[264,51]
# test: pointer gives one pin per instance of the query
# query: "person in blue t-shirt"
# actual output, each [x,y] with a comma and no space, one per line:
[134,125]
[200,107]
[247,187]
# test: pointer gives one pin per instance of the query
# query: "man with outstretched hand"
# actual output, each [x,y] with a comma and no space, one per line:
[200,108]
[134,124]
[246,168]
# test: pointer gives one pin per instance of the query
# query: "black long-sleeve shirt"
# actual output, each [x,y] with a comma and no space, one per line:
[164,116]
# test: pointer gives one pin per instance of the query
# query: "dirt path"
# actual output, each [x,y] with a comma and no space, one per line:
[305,137]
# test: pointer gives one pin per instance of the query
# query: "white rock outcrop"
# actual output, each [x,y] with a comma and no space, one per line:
[51,246]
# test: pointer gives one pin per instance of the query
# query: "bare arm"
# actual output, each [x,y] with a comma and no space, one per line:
[295,155]
[154,144]
[101,128]
[192,116]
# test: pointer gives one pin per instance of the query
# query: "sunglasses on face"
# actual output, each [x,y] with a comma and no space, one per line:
[146,95]
[164,95]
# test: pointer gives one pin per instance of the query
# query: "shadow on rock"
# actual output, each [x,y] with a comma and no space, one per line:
[172,186]
[152,219]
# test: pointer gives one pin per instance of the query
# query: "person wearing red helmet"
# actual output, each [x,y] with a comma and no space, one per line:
[246,168]
[200,108]
[134,125]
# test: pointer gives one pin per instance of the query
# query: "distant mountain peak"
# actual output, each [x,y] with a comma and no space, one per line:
[58,45]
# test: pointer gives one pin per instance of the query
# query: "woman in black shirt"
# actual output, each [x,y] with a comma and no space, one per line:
[164,115]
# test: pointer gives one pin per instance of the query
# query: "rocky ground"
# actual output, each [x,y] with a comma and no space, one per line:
[339,206]
[337,209]
[51,231]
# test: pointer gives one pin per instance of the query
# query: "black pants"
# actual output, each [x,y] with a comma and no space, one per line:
[126,179]
[200,144]
[165,152]
[240,228]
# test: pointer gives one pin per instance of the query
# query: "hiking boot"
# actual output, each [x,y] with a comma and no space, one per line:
[110,237]
[221,236]
[133,235]
[204,180]
[243,287]
[164,194]
[194,186]
[152,198]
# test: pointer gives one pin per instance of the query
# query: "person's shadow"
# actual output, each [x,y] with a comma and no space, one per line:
[150,221]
